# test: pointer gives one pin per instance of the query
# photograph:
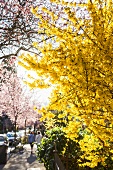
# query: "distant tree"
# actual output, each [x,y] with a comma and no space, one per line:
[5,123]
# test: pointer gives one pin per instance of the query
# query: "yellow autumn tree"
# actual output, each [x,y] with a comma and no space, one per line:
[78,60]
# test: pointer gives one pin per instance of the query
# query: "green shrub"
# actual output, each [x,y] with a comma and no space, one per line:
[71,155]
[45,149]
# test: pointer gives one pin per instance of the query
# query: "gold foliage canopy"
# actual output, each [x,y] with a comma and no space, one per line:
[78,59]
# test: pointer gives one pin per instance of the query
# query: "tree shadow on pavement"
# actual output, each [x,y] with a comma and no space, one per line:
[31,158]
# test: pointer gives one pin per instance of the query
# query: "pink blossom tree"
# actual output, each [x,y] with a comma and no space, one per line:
[18,26]
[7,67]
[16,102]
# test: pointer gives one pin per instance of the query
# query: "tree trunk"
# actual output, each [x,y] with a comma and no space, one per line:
[15,131]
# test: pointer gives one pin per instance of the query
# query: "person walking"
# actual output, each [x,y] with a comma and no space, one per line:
[31,140]
[38,138]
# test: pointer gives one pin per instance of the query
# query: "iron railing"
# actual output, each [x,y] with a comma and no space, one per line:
[57,161]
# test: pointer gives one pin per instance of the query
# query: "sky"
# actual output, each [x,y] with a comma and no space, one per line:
[41,95]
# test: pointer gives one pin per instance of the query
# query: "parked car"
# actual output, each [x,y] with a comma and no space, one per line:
[4,143]
[4,140]
[11,137]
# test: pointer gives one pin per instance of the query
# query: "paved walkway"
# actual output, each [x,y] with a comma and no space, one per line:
[23,160]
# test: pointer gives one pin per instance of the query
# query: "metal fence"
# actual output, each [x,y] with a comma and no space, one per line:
[58,163]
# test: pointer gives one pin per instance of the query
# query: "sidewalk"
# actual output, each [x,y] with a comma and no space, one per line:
[23,160]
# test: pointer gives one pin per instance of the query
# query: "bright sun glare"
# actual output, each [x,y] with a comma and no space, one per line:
[41,95]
